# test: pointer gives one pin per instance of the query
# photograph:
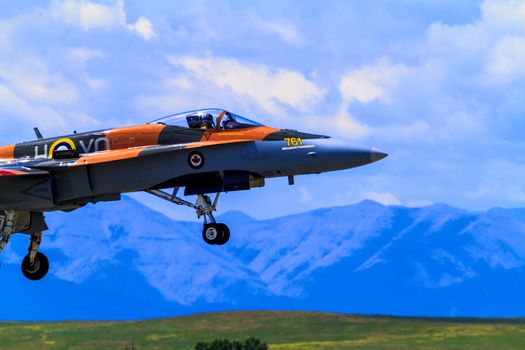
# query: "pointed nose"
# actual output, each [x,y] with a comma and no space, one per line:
[376,155]
[333,154]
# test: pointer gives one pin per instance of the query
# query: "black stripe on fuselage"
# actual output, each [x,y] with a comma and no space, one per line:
[285,133]
[83,143]
[97,141]
[173,135]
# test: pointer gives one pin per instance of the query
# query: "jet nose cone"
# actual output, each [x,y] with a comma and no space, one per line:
[376,155]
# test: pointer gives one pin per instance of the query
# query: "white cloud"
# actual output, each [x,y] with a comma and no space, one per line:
[370,83]
[504,14]
[143,27]
[345,125]
[507,61]
[93,15]
[363,85]
[31,79]
[417,102]
[267,86]
[80,56]
[185,92]
[90,15]
[493,46]
[456,43]
[284,31]
[12,106]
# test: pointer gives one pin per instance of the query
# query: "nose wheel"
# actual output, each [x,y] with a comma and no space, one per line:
[213,233]
[216,234]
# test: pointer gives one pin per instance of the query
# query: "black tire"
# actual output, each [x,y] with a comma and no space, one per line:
[225,234]
[212,234]
[38,270]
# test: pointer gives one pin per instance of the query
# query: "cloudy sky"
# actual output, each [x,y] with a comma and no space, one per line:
[440,85]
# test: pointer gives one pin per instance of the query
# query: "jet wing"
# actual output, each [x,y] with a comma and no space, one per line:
[22,186]
[22,189]
[16,168]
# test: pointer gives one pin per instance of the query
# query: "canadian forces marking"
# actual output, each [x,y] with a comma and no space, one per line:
[100,144]
[196,160]
[62,145]
[86,146]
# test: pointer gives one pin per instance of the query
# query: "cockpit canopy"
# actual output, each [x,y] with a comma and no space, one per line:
[207,119]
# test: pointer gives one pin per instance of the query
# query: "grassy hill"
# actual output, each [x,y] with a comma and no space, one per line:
[282,330]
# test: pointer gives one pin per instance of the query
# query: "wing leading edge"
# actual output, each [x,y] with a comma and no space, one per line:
[17,169]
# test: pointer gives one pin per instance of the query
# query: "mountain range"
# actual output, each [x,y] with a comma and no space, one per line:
[122,260]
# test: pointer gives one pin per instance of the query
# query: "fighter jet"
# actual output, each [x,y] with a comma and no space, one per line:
[207,151]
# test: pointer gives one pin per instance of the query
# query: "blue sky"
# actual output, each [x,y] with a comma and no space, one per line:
[439,85]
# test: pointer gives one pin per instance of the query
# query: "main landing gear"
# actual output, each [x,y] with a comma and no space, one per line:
[213,233]
[35,264]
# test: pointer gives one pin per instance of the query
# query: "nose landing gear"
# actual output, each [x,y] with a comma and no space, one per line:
[216,234]
[213,233]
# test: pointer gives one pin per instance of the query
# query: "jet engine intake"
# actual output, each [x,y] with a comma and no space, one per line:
[229,181]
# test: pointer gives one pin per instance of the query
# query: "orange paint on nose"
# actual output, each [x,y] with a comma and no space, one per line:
[257,133]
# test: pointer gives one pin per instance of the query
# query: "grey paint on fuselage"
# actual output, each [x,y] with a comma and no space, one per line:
[265,158]
[83,184]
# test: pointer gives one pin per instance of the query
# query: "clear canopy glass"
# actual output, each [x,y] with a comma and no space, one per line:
[208,119]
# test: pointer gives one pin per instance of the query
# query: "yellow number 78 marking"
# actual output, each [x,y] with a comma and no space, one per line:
[293,141]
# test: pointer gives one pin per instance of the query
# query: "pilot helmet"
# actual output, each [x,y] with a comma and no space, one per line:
[207,120]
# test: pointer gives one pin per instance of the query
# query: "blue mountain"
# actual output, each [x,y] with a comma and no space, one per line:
[125,261]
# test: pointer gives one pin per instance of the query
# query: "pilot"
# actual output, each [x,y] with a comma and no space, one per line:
[207,122]
[230,123]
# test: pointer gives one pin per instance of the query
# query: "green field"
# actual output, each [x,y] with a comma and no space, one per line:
[282,330]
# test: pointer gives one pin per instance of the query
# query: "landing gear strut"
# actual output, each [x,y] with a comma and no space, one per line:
[35,265]
[213,233]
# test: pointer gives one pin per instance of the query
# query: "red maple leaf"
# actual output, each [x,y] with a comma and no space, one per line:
[196,159]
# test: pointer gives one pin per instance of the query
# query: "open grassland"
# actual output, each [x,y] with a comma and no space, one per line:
[282,330]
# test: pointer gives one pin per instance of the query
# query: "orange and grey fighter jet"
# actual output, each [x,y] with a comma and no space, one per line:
[204,151]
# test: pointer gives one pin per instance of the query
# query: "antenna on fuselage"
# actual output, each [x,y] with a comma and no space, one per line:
[38,133]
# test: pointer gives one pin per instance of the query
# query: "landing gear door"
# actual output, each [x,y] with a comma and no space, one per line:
[72,184]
